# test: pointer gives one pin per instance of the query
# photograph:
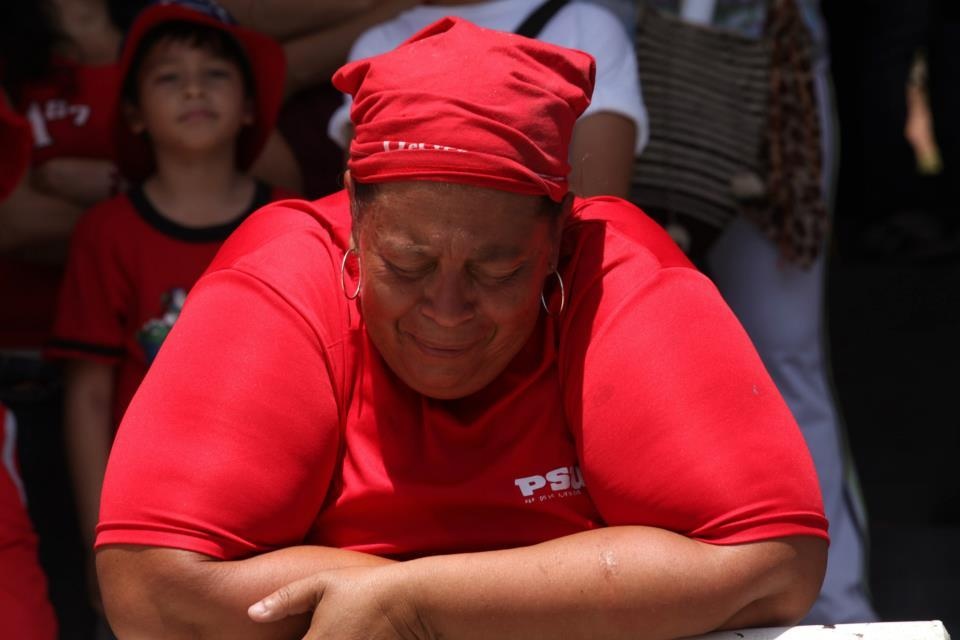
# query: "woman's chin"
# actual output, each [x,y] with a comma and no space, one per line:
[442,387]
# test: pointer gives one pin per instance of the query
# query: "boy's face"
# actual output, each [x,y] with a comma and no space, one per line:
[191,100]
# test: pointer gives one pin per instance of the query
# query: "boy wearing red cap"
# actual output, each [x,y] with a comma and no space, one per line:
[199,98]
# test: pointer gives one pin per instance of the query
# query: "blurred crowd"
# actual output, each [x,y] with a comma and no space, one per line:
[136,136]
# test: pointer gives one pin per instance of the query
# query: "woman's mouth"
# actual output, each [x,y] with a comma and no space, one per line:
[441,350]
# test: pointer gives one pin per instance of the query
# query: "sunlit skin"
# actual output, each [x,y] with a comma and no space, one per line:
[190,99]
[451,280]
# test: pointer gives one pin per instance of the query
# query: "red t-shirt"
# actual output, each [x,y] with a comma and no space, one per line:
[128,273]
[269,419]
[70,113]
[25,611]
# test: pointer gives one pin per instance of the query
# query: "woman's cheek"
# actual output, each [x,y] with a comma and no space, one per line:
[387,297]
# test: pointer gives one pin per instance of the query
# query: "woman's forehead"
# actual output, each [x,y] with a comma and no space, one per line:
[428,191]
[420,217]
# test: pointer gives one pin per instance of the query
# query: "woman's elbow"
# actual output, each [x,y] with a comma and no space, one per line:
[805,573]
[794,575]
[138,598]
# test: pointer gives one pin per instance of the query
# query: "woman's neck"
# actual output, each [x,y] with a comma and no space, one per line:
[92,37]
[199,191]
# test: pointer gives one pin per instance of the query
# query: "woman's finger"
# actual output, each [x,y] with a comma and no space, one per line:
[298,597]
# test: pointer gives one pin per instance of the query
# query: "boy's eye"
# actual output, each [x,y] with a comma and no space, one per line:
[166,77]
[218,73]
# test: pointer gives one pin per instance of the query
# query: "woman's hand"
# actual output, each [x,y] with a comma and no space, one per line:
[362,603]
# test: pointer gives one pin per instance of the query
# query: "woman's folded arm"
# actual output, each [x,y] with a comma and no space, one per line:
[153,592]
[619,582]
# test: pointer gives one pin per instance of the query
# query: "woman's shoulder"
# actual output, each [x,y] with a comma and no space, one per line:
[294,248]
[285,232]
[615,230]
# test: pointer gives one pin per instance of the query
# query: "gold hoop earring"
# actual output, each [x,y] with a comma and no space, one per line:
[563,296]
[343,266]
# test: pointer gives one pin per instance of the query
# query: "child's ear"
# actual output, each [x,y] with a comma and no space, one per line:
[131,113]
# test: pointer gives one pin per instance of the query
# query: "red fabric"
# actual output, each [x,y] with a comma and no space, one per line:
[418,116]
[71,111]
[119,295]
[25,611]
[69,115]
[269,420]
[28,289]
[267,63]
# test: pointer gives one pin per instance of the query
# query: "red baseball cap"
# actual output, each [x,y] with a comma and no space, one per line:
[267,65]
[460,103]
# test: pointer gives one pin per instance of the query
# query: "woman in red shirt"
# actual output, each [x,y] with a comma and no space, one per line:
[457,401]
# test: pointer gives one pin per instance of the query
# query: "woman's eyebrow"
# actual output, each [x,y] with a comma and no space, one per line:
[498,253]
[403,245]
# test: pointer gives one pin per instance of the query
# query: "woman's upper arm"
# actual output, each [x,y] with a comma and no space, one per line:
[228,447]
[677,422]
[289,18]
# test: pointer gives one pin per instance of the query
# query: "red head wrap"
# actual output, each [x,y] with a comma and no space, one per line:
[459,103]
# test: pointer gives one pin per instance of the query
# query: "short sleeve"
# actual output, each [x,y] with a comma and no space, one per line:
[617,89]
[91,321]
[229,445]
[677,423]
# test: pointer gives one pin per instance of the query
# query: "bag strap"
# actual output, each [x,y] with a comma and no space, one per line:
[536,21]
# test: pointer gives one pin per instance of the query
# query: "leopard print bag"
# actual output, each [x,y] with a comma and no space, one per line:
[734,130]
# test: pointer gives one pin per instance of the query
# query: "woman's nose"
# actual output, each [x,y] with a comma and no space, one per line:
[447,300]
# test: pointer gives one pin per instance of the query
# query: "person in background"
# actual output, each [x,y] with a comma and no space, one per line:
[780,304]
[458,400]
[56,75]
[58,71]
[63,81]
[316,37]
[25,609]
[611,131]
[198,100]
[626,10]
